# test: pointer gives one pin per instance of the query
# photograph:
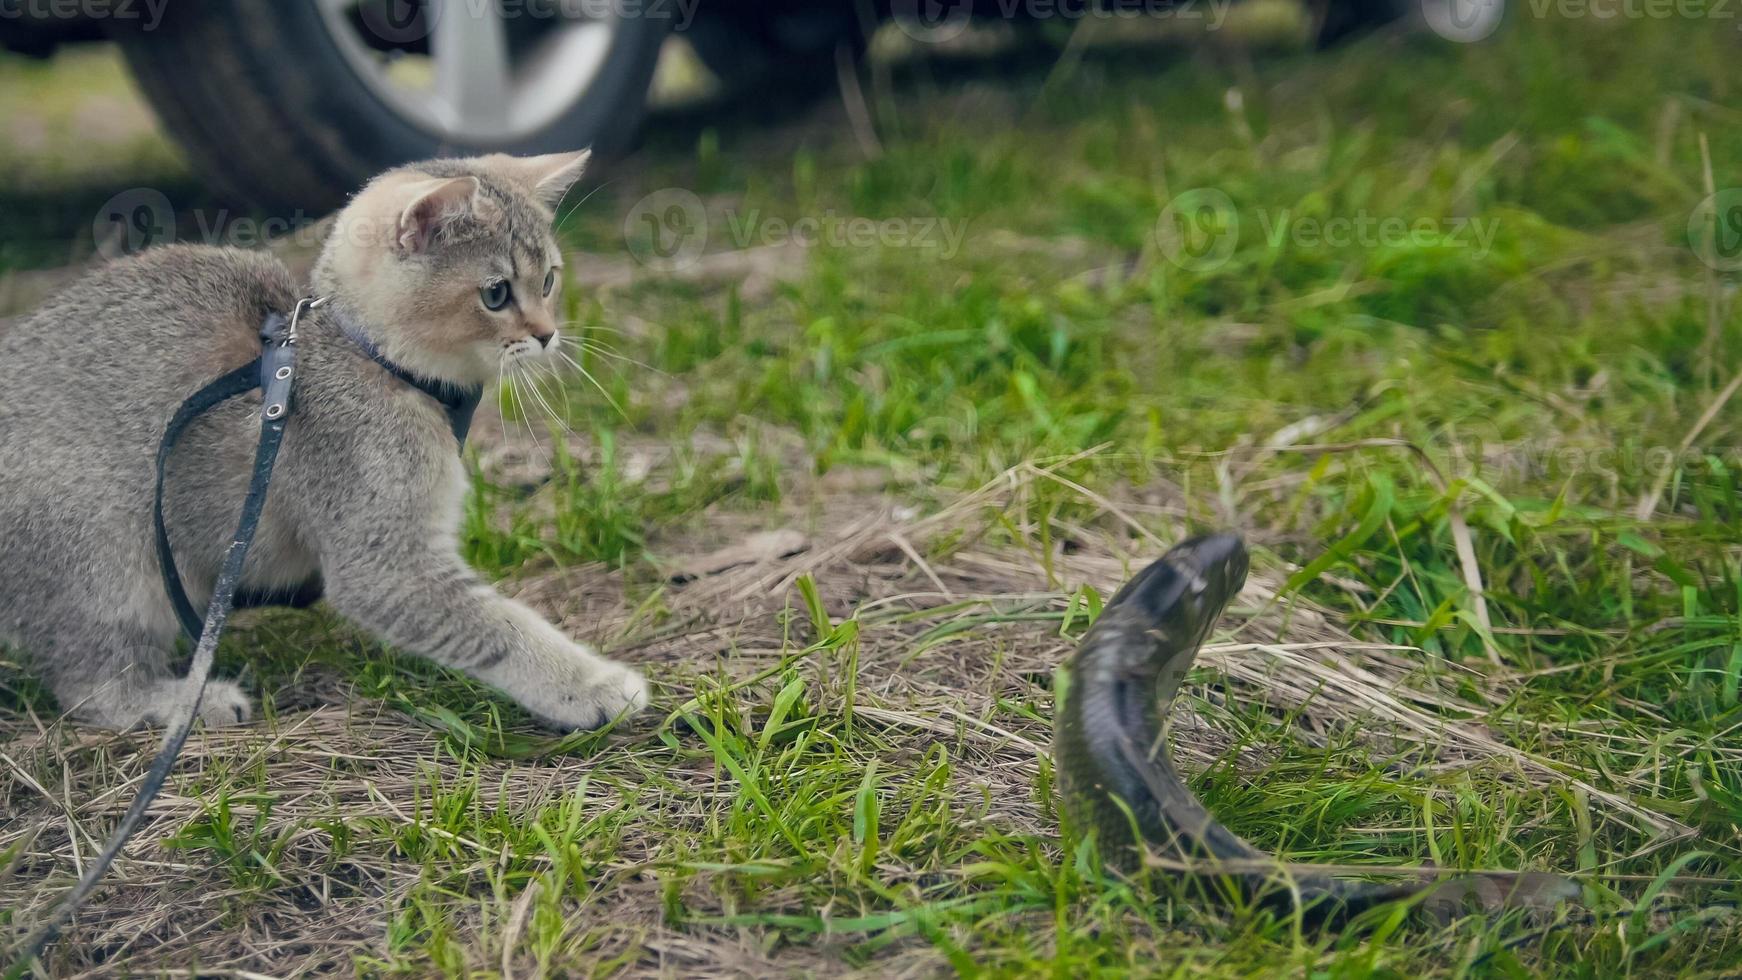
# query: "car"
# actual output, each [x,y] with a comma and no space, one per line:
[288,104]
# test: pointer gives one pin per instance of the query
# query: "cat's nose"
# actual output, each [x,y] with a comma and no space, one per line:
[544,339]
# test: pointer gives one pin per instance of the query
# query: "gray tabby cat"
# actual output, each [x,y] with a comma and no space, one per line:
[450,270]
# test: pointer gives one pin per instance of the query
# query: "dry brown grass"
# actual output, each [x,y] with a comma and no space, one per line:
[329,751]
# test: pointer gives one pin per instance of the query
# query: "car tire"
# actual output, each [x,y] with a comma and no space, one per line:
[784,54]
[265,104]
[1345,20]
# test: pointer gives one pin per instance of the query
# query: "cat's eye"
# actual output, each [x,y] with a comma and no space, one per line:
[549,281]
[496,295]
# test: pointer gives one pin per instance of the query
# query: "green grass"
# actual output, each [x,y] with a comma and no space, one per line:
[73,133]
[782,813]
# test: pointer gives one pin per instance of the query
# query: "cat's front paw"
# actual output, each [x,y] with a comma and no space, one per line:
[612,691]
[224,704]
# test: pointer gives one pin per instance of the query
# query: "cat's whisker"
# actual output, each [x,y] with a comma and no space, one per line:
[568,359]
[585,342]
[594,382]
[593,345]
[582,370]
[538,374]
[592,327]
[506,373]
[577,206]
[602,352]
[556,380]
[573,363]
[538,394]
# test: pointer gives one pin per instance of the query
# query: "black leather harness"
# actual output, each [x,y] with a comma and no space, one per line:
[273,373]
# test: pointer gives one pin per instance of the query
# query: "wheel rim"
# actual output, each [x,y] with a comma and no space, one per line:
[473,70]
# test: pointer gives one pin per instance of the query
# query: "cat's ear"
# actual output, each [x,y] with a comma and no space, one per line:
[434,204]
[550,176]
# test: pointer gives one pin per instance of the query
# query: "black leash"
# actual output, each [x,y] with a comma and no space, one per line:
[273,373]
